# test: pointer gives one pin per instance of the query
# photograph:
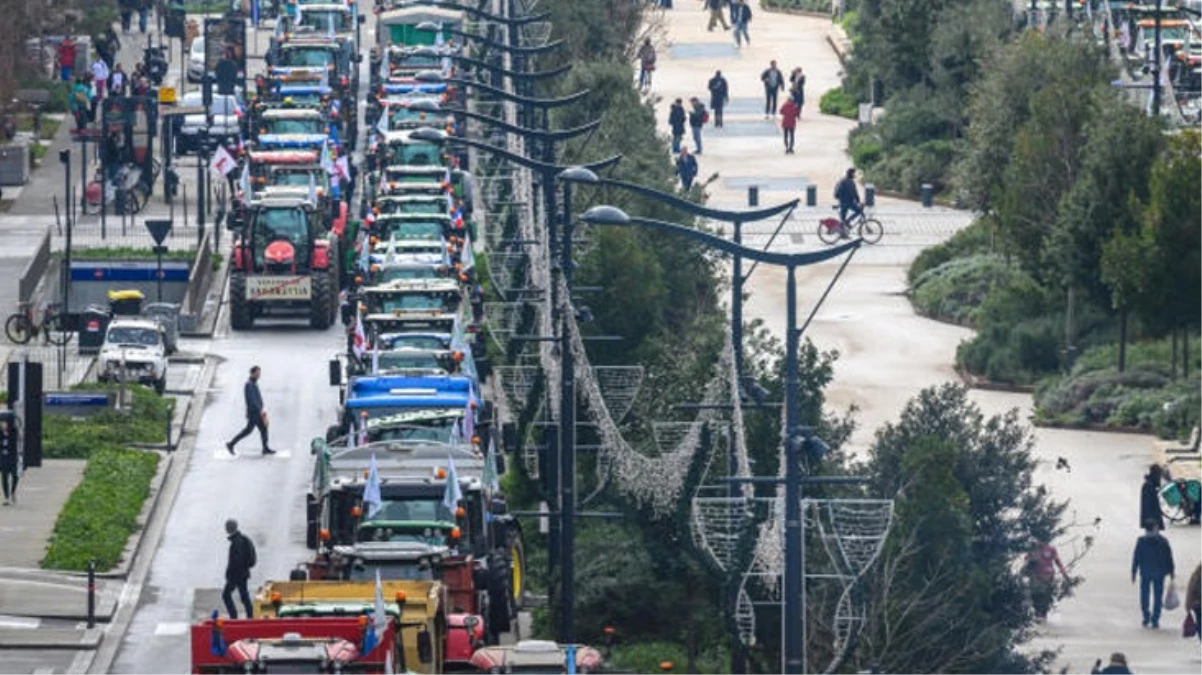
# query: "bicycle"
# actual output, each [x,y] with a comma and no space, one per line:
[1179,500]
[831,230]
[127,192]
[21,326]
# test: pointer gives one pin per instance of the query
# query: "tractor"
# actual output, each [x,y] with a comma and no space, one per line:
[284,261]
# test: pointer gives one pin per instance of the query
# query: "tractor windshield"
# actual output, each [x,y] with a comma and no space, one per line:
[415,302]
[392,571]
[287,224]
[306,57]
[409,359]
[322,20]
[412,154]
[409,272]
[413,432]
[398,509]
[431,207]
[295,126]
[295,178]
[412,230]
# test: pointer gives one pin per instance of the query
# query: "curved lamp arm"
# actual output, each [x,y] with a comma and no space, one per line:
[701,210]
[487,16]
[542,103]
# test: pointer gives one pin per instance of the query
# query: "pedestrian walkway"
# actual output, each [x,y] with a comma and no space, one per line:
[886,352]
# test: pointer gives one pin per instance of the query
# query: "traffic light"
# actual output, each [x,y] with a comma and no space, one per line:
[176,20]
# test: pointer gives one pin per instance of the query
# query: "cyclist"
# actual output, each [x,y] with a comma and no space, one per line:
[849,199]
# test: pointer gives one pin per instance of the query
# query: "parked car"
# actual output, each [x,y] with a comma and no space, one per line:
[225,126]
[196,60]
[134,350]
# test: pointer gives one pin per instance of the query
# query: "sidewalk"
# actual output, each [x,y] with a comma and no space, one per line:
[886,352]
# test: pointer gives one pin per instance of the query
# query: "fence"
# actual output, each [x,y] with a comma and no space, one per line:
[62,367]
[32,275]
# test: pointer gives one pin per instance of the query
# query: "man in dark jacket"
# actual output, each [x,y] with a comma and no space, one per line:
[849,198]
[719,95]
[1153,560]
[1149,497]
[10,461]
[676,121]
[697,119]
[686,167]
[256,416]
[774,82]
[237,570]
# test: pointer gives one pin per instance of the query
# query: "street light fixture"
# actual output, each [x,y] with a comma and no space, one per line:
[431,27]
[798,439]
[512,74]
[481,14]
[434,76]
[434,107]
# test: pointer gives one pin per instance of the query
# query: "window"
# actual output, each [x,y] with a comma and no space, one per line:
[320,21]
[306,58]
[407,432]
[296,126]
[419,342]
[408,510]
[414,302]
[294,179]
[411,230]
[415,272]
[146,337]
[290,224]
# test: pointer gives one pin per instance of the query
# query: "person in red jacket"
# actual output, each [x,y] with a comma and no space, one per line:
[66,58]
[789,112]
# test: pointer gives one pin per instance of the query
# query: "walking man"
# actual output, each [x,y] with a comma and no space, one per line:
[740,15]
[1149,497]
[789,112]
[237,570]
[1153,560]
[676,119]
[716,15]
[719,95]
[773,83]
[697,118]
[686,167]
[10,461]
[256,416]
[797,89]
[646,64]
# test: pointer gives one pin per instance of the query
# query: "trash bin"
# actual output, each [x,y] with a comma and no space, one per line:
[166,314]
[126,303]
[93,324]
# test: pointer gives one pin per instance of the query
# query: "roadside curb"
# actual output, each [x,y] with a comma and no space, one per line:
[52,639]
[209,316]
[973,382]
[1130,431]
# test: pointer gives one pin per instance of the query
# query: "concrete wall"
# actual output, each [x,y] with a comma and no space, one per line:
[91,280]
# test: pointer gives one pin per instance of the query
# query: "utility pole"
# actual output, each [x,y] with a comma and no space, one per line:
[1156,63]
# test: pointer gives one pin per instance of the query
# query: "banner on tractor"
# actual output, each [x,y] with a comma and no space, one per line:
[279,288]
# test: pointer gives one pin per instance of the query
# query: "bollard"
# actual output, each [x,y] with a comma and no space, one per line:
[91,594]
[811,195]
[869,195]
[753,195]
[928,195]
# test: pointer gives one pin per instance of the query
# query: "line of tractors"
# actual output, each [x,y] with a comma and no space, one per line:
[417,566]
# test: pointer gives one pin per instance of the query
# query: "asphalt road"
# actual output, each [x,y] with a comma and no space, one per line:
[265,494]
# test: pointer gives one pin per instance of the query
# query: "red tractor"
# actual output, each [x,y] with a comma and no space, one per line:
[308,645]
[285,261]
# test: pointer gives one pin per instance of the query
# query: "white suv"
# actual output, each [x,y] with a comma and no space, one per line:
[138,346]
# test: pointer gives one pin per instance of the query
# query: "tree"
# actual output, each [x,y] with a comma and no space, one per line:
[1173,217]
[1004,100]
[948,595]
[1126,267]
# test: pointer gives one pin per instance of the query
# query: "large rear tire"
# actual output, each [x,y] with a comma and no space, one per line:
[320,315]
[517,572]
[240,314]
[499,595]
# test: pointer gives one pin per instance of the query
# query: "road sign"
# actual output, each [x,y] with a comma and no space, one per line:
[158,230]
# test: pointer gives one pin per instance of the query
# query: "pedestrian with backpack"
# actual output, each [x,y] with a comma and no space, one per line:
[242,558]
[646,64]
[698,116]
[774,82]
[676,121]
[719,95]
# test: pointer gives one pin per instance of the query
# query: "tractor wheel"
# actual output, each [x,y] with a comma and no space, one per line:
[241,317]
[517,573]
[319,304]
[499,595]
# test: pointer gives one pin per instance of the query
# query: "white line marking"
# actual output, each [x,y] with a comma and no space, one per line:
[22,622]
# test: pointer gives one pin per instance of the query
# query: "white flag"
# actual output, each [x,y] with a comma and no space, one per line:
[379,616]
[451,494]
[371,492]
[312,189]
[244,180]
[359,344]
[375,355]
[223,162]
[391,249]
[467,257]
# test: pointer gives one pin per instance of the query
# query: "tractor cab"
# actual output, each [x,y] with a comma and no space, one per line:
[280,233]
[397,148]
[328,19]
[292,127]
[412,226]
[411,204]
[401,116]
[423,299]
[383,271]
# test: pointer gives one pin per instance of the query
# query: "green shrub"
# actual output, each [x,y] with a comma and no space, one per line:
[646,657]
[1020,333]
[905,168]
[127,253]
[955,290]
[839,102]
[146,422]
[817,6]
[865,147]
[974,239]
[102,510]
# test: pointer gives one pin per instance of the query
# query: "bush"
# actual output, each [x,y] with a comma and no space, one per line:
[905,168]
[146,422]
[956,289]
[839,102]
[646,657]
[817,6]
[865,147]
[102,511]
[976,238]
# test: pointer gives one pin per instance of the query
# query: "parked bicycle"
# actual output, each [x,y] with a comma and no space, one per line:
[127,192]
[22,326]
[831,230]
[1180,499]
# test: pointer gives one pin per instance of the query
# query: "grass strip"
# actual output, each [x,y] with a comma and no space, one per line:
[102,511]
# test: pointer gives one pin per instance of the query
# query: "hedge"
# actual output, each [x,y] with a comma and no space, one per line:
[66,438]
[102,510]
[839,102]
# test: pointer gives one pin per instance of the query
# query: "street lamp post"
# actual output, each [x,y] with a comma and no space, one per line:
[796,436]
